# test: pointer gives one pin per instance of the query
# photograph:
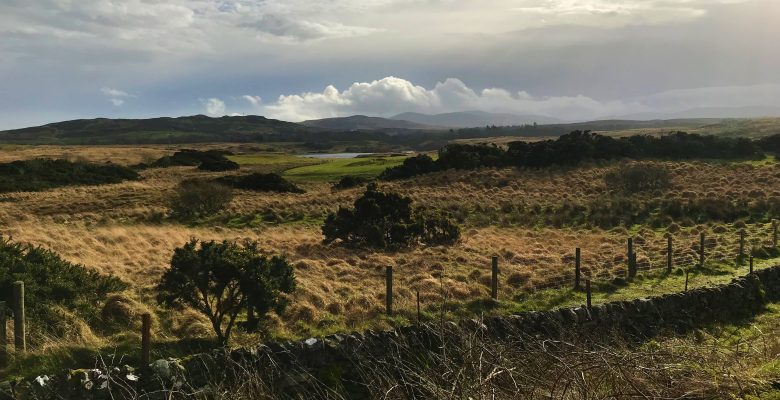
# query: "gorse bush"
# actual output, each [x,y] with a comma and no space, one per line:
[209,160]
[349,181]
[412,166]
[387,221]
[638,178]
[261,183]
[223,279]
[578,146]
[50,281]
[43,173]
[200,198]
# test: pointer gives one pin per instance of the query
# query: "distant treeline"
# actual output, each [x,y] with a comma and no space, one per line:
[578,146]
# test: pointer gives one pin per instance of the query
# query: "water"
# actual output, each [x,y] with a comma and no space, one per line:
[336,155]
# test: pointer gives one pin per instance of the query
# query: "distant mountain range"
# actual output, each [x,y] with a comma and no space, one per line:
[475,119]
[362,122]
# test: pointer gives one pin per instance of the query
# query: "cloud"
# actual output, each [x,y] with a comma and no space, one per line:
[115,96]
[391,95]
[254,101]
[214,107]
[303,30]
[114,92]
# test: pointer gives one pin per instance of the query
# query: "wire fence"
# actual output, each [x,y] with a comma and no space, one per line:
[716,249]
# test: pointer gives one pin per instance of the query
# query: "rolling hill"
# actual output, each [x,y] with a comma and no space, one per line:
[189,129]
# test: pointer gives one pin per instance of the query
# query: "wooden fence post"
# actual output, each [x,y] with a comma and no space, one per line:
[577,270]
[3,337]
[774,234]
[631,259]
[741,256]
[389,290]
[751,265]
[587,293]
[701,250]
[418,307]
[494,279]
[669,253]
[146,339]
[20,340]
[686,281]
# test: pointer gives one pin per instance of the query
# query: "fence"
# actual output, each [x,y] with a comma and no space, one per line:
[686,251]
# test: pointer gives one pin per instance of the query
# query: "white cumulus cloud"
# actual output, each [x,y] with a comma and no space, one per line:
[115,96]
[214,107]
[254,101]
[391,95]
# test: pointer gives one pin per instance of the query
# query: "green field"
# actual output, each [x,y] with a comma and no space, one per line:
[333,169]
[272,159]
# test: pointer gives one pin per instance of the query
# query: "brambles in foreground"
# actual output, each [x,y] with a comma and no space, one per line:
[52,285]
[387,221]
[43,173]
[261,183]
[223,279]
[638,177]
[199,198]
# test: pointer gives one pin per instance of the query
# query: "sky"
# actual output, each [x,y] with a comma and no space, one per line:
[307,59]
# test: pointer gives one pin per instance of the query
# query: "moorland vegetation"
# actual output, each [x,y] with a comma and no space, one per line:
[530,217]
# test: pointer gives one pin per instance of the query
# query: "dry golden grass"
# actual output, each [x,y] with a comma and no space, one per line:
[109,228]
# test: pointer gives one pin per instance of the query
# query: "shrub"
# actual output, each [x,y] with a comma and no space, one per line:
[50,281]
[209,160]
[261,183]
[349,181]
[200,198]
[43,173]
[412,166]
[638,178]
[387,221]
[467,156]
[221,280]
[579,146]
[218,165]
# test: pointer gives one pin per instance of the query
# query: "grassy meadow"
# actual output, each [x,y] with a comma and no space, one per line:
[531,219]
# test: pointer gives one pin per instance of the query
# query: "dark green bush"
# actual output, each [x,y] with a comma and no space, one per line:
[349,181]
[387,221]
[579,146]
[412,166]
[51,281]
[200,198]
[218,165]
[638,177]
[224,279]
[43,173]
[261,183]
[209,160]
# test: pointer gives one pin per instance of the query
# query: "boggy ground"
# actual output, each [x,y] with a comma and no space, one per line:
[518,215]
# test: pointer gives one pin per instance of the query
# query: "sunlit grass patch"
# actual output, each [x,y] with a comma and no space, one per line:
[333,169]
[271,159]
